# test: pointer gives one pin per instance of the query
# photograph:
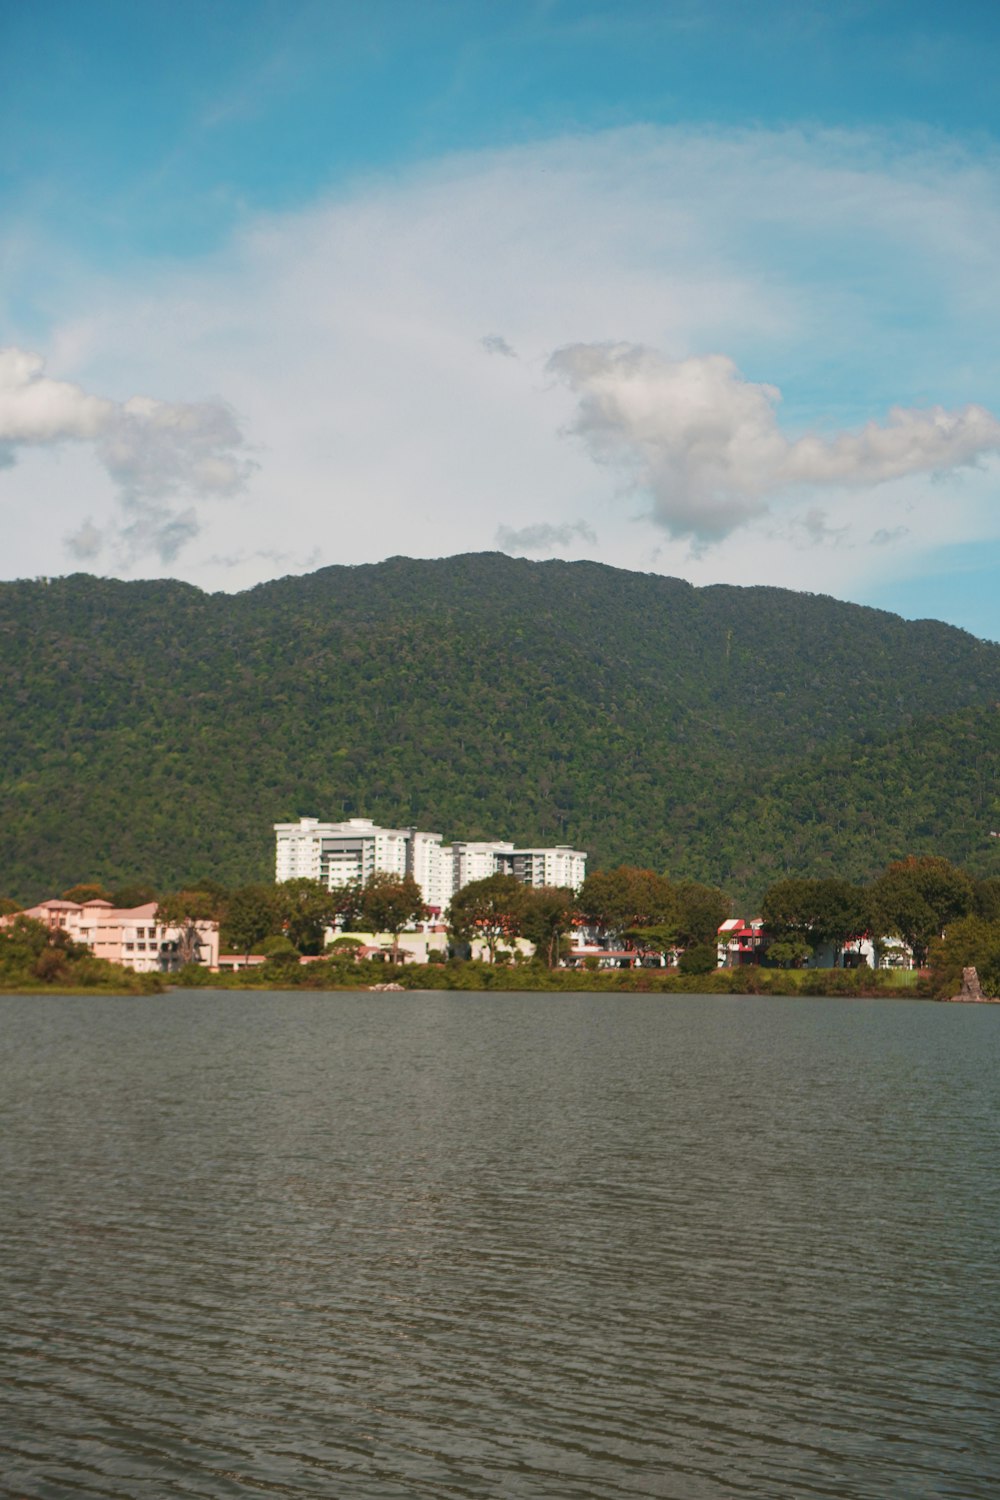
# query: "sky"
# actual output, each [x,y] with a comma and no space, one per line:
[695,287]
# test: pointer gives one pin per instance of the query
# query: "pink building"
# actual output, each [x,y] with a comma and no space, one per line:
[130,936]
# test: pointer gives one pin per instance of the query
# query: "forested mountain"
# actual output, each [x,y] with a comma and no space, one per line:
[150,731]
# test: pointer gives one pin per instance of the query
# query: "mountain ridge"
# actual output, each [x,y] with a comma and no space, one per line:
[151,730]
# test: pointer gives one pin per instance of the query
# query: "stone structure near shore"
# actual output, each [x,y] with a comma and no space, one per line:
[972,991]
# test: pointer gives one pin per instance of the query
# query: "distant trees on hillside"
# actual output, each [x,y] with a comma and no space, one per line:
[732,734]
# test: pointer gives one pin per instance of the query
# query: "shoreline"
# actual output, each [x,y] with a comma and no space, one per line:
[483,979]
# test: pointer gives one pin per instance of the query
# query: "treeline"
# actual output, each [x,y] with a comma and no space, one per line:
[639,909]
[946,917]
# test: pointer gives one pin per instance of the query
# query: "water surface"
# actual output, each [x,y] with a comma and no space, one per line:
[529,1246]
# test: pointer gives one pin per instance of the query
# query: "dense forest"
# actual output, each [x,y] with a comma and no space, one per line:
[149,731]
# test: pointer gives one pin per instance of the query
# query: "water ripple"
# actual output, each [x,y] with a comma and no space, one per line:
[457,1246]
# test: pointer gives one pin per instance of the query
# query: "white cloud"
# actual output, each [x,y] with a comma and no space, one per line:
[495,343]
[705,445]
[35,409]
[543,537]
[151,449]
[855,273]
[86,543]
[887,538]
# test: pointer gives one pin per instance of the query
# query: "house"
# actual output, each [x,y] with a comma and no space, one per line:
[744,940]
[741,940]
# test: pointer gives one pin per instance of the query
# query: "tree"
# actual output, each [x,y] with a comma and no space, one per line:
[816,912]
[282,958]
[252,913]
[349,901]
[133,895]
[548,914]
[8,907]
[390,903]
[490,909]
[701,911]
[277,945]
[917,898]
[184,910]
[845,914]
[986,898]
[213,887]
[701,959]
[617,901]
[30,950]
[969,941]
[87,891]
[344,947]
[661,939]
[306,910]
[789,953]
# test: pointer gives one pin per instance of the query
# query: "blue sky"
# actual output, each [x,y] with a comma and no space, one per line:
[706,289]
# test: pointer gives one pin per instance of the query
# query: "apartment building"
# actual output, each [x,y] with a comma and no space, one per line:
[431,864]
[476,861]
[561,866]
[350,852]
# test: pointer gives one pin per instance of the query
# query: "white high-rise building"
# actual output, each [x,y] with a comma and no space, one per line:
[339,853]
[560,866]
[476,861]
[350,852]
[431,866]
[299,849]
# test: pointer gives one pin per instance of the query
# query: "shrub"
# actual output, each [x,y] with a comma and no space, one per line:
[343,947]
[702,959]
[278,946]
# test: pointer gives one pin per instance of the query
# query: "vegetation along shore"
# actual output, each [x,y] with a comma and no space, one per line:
[626,929]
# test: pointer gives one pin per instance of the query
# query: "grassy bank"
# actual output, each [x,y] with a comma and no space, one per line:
[121,988]
[479,977]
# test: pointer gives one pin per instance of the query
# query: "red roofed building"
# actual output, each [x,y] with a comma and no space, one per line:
[742,940]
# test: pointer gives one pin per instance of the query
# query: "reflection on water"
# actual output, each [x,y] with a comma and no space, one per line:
[432,1245]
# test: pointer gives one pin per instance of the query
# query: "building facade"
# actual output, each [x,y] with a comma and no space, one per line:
[350,852]
[560,866]
[130,936]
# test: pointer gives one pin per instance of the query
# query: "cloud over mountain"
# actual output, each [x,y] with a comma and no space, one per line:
[541,536]
[152,450]
[704,443]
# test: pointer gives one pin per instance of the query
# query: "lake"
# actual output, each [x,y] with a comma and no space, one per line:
[454,1245]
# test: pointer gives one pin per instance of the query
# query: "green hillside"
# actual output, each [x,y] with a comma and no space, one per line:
[148,730]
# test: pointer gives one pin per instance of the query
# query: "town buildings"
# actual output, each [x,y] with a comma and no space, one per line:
[350,852]
[130,936]
[745,940]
